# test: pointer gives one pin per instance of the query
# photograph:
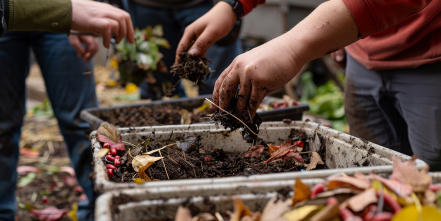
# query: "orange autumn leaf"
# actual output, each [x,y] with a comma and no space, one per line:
[284,149]
[240,210]
[301,192]
[272,148]
[142,174]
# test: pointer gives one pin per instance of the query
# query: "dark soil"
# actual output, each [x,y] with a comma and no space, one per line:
[192,68]
[150,116]
[198,163]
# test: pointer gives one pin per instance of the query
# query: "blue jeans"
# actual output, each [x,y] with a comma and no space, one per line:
[174,22]
[399,109]
[70,87]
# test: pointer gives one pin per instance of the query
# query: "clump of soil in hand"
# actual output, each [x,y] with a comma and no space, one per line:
[250,127]
[192,68]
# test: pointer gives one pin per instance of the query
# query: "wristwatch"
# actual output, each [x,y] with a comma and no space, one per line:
[236,5]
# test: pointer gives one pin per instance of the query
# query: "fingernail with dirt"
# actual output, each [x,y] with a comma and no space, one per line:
[193,51]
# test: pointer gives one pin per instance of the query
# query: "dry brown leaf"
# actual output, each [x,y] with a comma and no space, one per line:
[401,189]
[301,192]
[302,213]
[360,201]
[272,148]
[274,210]
[284,149]
[407,172]
[254,151]
[142,174]
[348,181]
[143,160]
[315,159]
[240,210]
[102,153]
[183,214]
[330,212]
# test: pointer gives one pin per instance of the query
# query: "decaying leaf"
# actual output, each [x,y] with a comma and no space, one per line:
[295,157]
[301,192]
[103,152]
[254,151]
[274,210]
[142,174]
[302,213]
[143,160]
[240,210]
[407,172]
[330,212]
[401,189]
[185,117]
[284,149]
[315,159]
[360,201]
[107,133]
[183,214]
[49,214]
[272,148]
[348,181]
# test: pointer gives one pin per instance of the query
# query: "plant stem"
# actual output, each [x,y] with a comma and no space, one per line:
[164,164]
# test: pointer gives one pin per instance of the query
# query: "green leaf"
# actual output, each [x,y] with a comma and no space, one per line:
[26,179]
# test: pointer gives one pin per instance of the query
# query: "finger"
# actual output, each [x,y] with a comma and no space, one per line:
[228,88]
[243,96]
[217,86]
[106,27]
[256,97]
[91,44]
[203,43]
[185,42]
[76,44]
[122,28]
[129,26]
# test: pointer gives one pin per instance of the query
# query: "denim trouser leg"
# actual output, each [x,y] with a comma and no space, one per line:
[70,86]
[174,23]
[69,91]
[14,64]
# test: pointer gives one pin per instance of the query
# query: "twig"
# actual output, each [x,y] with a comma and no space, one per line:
[193,166]
[130,144]
[233,116]
[154,151]
[164,164]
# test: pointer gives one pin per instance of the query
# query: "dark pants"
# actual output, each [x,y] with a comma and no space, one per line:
[70,87]
[398,109]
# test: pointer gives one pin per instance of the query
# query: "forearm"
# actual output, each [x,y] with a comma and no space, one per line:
[328,28]
[46,15]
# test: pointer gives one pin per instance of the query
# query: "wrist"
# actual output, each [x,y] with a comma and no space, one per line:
[235,5]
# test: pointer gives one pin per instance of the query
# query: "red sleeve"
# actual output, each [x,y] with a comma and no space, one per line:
[248,5]
[374,16]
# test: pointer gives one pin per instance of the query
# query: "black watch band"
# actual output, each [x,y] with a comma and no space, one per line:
[236,5]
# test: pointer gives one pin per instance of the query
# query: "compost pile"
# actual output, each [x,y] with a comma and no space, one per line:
[150,160]
[192,68]
[408,194]
[165,114]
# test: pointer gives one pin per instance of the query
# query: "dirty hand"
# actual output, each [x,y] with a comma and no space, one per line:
[89,49]
[206,30]
[101,18]
[258,72]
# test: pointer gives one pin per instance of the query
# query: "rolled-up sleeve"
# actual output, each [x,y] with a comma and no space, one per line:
[248,5]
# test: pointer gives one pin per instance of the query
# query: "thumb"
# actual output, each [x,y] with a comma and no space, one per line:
[202,44]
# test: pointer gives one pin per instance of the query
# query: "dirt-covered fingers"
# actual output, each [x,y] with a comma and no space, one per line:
[256,97]
[243,96]
[228,87]
[217,86]
[185,43]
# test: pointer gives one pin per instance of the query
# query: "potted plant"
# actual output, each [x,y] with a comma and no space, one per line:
[139,61]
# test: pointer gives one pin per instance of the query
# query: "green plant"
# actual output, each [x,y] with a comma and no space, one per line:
[145,51]
[325,100]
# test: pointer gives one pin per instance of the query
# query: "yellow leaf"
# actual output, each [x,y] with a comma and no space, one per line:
[73,213]
[138,181]
[204,106]
[131,87]
[142,174]
[410,213]
[272,148]
[240,210]
[302,213]
[103,152]
[301,192]
[185,117]
[143,160]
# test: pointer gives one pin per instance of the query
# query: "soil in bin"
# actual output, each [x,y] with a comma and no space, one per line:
[165,114]
[197,163]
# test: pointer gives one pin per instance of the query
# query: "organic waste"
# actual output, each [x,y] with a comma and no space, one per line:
[408,194]
[151,160]
[192,68]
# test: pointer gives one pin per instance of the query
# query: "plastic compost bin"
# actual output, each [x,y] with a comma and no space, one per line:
[95,116]
[162,204]
[343,152]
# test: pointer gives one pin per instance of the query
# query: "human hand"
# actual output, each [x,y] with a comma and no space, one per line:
[96,17]
[339,57]
[205,31]
[89,49]
[258,72]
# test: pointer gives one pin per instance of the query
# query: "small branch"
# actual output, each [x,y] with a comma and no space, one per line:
[130,144]
[164,165]
[233,116]
[154,151]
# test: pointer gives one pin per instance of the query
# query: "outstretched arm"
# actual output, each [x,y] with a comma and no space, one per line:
[271,65]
